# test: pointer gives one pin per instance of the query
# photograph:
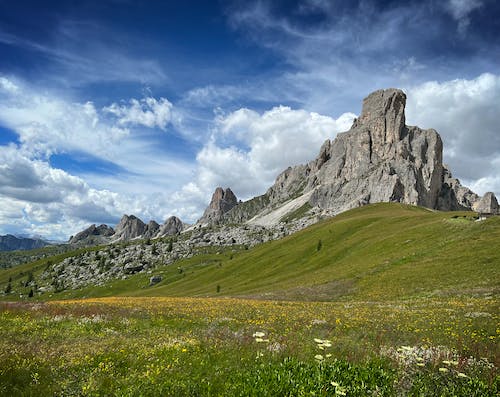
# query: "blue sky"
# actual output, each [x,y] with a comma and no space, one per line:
[113,107]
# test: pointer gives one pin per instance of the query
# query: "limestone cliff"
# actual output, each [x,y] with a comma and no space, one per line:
[380,159]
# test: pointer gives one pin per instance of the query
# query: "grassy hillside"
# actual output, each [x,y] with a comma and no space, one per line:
[377,252]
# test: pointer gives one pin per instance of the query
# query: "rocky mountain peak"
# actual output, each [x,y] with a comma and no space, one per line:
[380,159]
[92,234]
[222,202]
[384,111]
[129,227]
[151,229]
[172,226]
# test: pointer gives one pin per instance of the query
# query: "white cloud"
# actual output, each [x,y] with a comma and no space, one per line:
[460,11]
[48,124]
[148,112]
[248,150]
[40,199]
[8,85]
[465,113]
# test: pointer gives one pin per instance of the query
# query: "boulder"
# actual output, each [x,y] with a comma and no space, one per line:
[488,204]
[154,280]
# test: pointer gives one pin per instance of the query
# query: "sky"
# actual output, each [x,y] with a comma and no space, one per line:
[115,107]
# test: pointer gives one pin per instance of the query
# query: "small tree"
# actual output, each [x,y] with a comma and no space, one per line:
[30,295]
[320,244]
[170,246]
[8,289]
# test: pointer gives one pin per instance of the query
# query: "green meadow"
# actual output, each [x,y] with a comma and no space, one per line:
[383,300]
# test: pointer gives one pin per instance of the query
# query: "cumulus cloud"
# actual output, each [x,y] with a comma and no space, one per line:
[148,112]
[249,149]
[46,123]
[465,113]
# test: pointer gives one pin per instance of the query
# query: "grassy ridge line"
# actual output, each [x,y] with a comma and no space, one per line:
[377,252]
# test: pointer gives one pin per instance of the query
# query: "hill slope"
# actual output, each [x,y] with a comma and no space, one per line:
[377,252]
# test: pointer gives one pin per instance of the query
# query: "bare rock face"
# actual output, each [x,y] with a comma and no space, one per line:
[129,227]
[453,196]
[222,201]
[488,204]
[379,159]
[93,234]
[151,230]
[171,227]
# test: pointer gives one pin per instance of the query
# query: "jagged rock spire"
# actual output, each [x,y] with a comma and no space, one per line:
[222,201]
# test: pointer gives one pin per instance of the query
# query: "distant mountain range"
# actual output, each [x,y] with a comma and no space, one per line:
[13,243]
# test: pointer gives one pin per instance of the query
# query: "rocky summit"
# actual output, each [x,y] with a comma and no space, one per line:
[487,205]
[129,228]
[380,159]
[222,202]
[93,234]
[172,226]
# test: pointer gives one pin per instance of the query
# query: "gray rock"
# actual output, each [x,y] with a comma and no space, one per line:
[222,201]
[453,196]
[171,227]
[152,229]
[92,235]
[380,159]
[132,268]
[129,227]
[488,204]
[154,280]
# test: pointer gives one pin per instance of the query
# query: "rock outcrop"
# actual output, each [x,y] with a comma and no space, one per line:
[380,159]
[487,205]
[130,227]
[171,227]
[92,235]
[152,229]
[222,202]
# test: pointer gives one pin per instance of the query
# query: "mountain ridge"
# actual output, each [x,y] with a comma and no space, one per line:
[379,159]
[10,242]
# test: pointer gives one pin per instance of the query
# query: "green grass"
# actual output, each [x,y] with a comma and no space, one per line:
[208,347]
[408,298]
